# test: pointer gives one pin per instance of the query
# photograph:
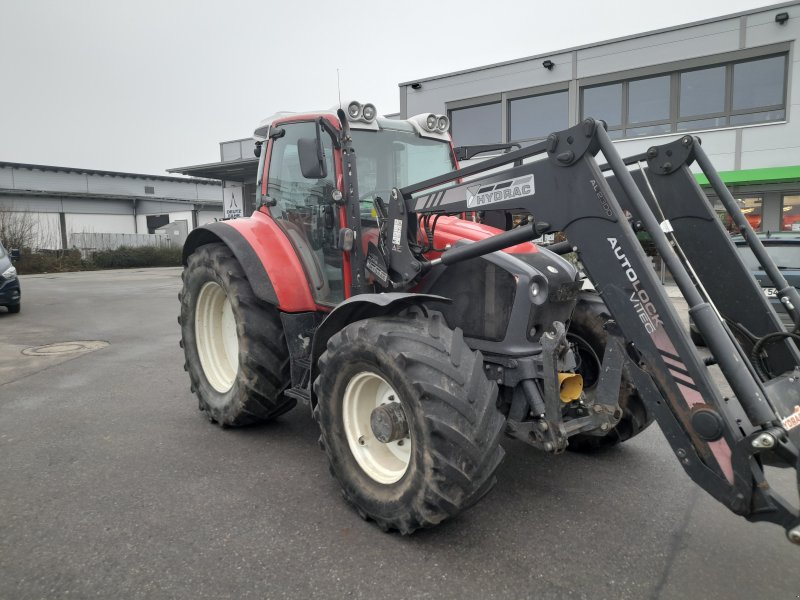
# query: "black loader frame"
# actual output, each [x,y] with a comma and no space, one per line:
[722,442]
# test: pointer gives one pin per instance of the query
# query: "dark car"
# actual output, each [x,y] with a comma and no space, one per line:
[784,249]
[10,294]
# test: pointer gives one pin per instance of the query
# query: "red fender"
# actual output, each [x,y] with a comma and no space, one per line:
[267,256]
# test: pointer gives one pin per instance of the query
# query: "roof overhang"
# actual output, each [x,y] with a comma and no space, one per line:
[235,170]
[91,196]
[57,169]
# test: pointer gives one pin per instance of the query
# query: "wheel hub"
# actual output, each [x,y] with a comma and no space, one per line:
[376,427]
[388,423]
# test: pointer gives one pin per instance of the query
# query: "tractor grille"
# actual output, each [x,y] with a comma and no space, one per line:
[482,295]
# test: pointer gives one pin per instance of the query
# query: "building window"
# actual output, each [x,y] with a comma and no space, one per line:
[535,117]
[605,102]
[149,189]
[790,213]
[702,95]
[476,125]
[758,90]
[751,208]
[648,100]
[736,93]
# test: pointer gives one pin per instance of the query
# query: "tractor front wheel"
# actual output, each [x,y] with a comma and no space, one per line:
[236,354]
[588,336]
[408,420]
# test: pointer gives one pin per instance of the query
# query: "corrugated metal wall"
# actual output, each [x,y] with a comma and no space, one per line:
[89,243]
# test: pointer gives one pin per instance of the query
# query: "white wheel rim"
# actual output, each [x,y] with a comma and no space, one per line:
[384,463]
[217,341]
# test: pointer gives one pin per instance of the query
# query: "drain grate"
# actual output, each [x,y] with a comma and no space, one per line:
[62,348]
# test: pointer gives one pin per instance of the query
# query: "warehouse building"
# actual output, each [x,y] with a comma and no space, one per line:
[733,81]
[64,201]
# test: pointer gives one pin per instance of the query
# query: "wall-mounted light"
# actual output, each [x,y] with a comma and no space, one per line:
[548,64]
[781,18]
[416,86]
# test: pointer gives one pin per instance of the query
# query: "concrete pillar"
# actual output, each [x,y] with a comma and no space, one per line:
[62,225]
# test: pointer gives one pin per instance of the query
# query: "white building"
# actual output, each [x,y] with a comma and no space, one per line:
[63,200]
[734,81]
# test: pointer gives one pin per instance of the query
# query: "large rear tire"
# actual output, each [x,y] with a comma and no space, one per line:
[236,354]
[446,458]
[587,333]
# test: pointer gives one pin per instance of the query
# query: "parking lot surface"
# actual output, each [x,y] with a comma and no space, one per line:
[113,485]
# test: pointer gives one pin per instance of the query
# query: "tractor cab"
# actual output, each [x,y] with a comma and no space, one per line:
[321,176]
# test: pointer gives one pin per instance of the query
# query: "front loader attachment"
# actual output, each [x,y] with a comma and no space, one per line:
[722,440]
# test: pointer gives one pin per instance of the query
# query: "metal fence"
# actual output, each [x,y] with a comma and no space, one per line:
[89,243]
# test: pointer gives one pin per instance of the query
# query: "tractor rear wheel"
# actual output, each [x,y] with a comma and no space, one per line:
[236,354]
[589,337]
[408,420]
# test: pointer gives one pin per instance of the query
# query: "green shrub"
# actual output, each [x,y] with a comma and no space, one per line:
[145,256]
[50,261]
[59,261]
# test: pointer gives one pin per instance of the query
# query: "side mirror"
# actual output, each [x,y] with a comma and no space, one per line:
[312,157]
[312,160]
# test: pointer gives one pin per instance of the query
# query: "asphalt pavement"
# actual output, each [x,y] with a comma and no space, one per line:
[113,485]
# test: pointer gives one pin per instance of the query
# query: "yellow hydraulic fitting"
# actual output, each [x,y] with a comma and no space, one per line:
[570,386]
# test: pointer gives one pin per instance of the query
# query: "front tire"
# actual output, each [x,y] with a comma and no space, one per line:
[589,337]
[236,354]
[446,458]
[696,337]
[14,308]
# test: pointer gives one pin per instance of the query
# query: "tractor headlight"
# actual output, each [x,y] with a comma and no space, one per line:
[10,273]
[538,289]
[430,122]
[431,125]
[368,112]
[354,110]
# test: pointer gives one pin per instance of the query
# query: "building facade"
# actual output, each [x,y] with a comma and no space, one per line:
[733,81]
[61,201]
[236,171]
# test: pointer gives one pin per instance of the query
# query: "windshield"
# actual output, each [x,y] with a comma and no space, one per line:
[2,250]
[785,256]
[387,159]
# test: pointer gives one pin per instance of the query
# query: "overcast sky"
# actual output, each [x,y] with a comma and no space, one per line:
[143,86]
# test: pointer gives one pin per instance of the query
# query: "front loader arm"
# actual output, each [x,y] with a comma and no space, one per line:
[719,441]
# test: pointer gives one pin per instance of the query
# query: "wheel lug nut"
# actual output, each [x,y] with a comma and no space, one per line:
[362,441]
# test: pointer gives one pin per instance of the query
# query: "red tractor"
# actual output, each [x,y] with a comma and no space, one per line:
[364,287]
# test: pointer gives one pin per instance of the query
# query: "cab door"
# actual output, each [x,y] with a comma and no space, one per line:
[306,211]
